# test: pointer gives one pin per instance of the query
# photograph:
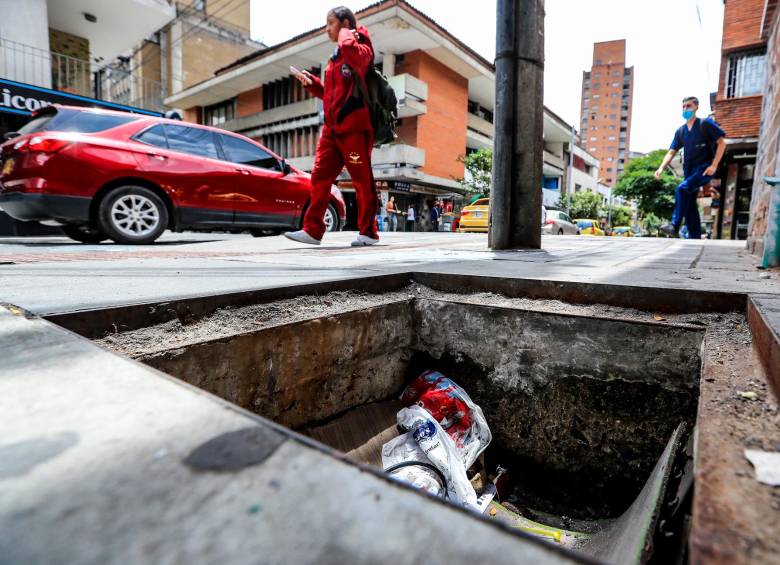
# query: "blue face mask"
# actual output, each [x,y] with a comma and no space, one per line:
[687,114]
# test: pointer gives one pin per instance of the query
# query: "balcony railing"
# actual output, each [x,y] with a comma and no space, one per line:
[412,93]
[31,65]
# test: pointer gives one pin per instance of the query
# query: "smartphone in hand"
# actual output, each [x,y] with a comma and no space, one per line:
[300,75]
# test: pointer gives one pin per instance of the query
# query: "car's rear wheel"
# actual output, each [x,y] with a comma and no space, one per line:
[84,234]
[133,215]
[560,231]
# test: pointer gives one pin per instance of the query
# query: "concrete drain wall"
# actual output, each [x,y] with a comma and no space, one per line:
[581,408]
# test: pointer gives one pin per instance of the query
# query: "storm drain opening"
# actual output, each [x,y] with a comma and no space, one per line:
[591,414]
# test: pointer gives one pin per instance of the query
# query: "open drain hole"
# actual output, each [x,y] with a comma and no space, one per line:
[590,415]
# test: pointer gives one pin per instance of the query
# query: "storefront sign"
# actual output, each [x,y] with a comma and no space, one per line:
[399,186]
[21,98]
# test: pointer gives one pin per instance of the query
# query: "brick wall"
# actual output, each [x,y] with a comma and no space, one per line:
[742,24]
[442,130]
[249,102]
[68,44]
[739,117]
[609,52]
[768,157]
[203,53]
[193,114]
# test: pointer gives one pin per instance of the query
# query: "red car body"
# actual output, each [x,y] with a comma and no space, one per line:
[68,159]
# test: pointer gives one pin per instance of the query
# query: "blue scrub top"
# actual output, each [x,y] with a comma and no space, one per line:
[698,143]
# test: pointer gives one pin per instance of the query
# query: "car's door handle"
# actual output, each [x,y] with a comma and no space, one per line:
[154,155]
[242,171]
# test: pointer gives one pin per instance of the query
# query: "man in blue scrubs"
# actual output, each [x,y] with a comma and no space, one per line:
[703,144]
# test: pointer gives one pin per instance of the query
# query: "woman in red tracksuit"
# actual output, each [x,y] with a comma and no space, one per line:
[347,136]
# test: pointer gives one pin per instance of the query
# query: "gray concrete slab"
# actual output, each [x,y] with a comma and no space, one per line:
[47,281]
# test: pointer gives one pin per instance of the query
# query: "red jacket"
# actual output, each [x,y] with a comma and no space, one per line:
[343,111]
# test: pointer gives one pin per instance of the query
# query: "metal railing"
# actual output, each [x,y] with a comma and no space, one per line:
[31,65]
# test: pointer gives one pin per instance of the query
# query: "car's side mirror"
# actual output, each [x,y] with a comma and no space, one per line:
[10,135]
[286,168]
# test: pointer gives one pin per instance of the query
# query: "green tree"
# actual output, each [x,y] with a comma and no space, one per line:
[621,215]
[479,169]
[651,223]
[639,184]
[584,205]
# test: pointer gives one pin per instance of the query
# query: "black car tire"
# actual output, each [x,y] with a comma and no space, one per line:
[83,234]
[560,231]
[264,233]
[151,204]
[334,226]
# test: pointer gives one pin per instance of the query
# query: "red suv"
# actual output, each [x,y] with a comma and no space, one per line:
[102,174]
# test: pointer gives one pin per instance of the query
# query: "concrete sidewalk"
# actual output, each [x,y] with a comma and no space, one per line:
[52,275]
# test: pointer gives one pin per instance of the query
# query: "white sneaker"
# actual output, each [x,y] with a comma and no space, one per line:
[363,240]
[301,237]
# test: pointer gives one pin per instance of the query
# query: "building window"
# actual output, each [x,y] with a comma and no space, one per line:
[218,114]
[551,183]
[746,74]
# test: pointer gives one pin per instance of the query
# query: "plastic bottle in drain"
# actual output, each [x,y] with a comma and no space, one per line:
[440,450]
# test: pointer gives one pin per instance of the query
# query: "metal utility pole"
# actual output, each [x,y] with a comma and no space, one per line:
[516,194]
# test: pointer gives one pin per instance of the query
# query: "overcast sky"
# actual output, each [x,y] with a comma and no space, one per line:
[674,46]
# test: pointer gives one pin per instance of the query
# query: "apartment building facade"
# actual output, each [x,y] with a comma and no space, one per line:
[204,36]
[607,102]
[445,92]
[737,109]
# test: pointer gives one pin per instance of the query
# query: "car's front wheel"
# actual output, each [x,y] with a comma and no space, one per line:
[331,219]
[84,234]
[133,215]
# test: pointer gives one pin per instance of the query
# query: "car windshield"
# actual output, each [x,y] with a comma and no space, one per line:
[584,224]
[481,202]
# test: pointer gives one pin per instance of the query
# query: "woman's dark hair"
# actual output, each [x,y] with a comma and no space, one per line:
[342,13]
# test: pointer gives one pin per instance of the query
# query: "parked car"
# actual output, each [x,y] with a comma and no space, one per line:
[622,231]
[127,177]
[589,227]
[475,216]
[559,223]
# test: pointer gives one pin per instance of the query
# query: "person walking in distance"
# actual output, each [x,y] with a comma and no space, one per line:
[410,218]
[347,136]
[703,143]
[392,215]
[435,215]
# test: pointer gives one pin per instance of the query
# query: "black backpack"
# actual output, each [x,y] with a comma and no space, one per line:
[382,104]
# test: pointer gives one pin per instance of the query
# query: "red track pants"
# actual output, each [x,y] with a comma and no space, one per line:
[352,150]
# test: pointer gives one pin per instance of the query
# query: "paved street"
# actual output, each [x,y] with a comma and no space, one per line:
[47,275]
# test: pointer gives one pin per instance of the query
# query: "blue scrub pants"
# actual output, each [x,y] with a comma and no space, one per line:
[685,202]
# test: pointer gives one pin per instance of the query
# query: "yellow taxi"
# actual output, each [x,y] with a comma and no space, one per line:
[474,217]
[622,231]
[589,227]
